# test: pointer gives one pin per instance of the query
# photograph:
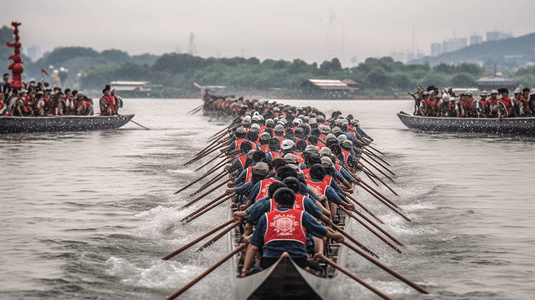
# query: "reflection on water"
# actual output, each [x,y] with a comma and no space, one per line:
[88,215]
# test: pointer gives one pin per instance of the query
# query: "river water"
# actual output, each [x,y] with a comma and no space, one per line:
[89,215]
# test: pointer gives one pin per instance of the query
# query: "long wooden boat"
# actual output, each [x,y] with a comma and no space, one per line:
[286,280]
[61,123]
[506,126]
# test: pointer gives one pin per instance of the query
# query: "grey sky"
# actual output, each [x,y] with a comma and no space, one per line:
[310,30]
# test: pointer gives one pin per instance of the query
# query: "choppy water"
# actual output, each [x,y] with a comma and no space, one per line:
[88,215]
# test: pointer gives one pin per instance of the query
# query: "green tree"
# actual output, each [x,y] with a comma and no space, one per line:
[378,79]
[463,80]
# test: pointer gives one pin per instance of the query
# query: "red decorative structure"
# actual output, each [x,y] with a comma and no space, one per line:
[16,67]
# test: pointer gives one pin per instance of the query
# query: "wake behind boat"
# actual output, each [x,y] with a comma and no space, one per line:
[61,123]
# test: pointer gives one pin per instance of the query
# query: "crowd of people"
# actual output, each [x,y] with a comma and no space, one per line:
[39,99]
[291,169]
[432,102]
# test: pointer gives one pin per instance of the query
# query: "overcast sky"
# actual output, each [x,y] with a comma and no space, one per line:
[310,30]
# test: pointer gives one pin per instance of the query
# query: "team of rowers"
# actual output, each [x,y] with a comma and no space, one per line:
[38,99]
[499,105]
[291,169]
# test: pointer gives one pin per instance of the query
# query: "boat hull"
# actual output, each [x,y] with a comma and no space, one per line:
[61,123]
[284,279]
[506,126]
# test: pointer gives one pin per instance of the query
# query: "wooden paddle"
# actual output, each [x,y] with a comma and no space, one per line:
[371,147]
[211,190]
[194,281]
[206,205]
[211,160]
[377,177]
[373,231]
[207,209]
[377,162]
[369,153]
[363,207]
[195,241]
[387,269]
[321,257]
[134,122]
[366,186]
[217,237]
[349,237]
[375,167]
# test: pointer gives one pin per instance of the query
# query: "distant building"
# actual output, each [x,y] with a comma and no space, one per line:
[134,89]
[327,88]
[496,36]
[476,39]
[34,52]
[351,83]
[494,83]
[436,49]
[454,45]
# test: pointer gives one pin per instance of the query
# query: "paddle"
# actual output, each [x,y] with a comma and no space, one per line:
[376,150]
[217,237]
[207,209]
[376,161]
[194,281]
[195,241]
[387,269]
[377,177]
[373,231]
[376,156]
[375,167]
[321,257]
[204,206]
[353,240]
[133,121]
[363,207]
[211,160]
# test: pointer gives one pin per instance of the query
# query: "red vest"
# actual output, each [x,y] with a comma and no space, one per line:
[109,99]
[346,156]
[285,226]
[264,186]
[306,172]
[317,187]
[239,142]
[243,159]
[506,101]
[249,174]
[275,155]
[264,148]
[298,204]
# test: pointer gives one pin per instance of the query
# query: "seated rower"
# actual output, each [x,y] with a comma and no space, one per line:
[107,103]
[275,237]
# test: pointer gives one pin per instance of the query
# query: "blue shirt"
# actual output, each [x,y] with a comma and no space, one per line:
[263,205]
[296,249]
[244,189]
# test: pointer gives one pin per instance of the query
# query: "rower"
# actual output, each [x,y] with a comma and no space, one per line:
[528,111]
[321,188]
[284,230]
[519,103]
[494,112]
[107,102]
[506,101]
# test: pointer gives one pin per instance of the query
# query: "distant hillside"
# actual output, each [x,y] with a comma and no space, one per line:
[509,53]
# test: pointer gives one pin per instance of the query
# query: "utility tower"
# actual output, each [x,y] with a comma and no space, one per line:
[191,48]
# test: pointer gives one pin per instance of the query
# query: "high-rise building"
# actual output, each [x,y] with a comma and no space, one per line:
[476,39]
[454,45]
[496,36]
[436,49]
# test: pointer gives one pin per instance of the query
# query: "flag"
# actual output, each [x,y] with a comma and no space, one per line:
[43,70]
